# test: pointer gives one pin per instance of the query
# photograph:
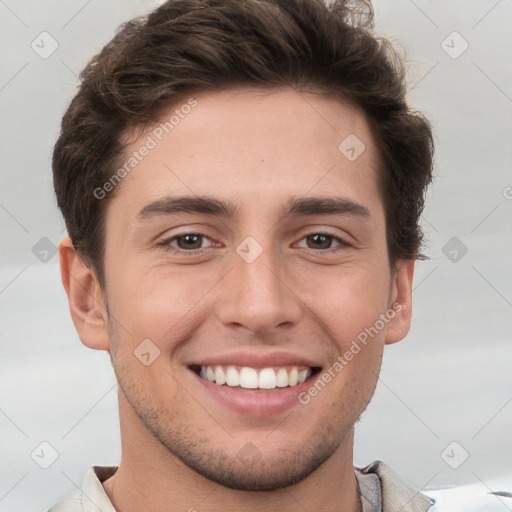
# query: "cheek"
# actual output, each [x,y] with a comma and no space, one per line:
[350,310]
[161,303]
[349,301]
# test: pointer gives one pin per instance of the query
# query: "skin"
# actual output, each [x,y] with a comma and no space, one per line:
[258,150]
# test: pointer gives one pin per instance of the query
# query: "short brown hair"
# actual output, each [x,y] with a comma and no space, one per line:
[186,46]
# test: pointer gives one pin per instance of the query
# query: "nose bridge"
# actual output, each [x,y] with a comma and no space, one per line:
[257,295]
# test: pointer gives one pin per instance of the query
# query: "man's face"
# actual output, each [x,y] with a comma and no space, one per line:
[262,282]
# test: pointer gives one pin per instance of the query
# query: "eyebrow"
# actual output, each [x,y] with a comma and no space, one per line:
[210,206]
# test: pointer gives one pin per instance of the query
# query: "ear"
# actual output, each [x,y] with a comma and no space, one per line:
[85,297]
[400,302]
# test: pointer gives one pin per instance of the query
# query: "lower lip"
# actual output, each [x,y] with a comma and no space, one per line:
[256,402]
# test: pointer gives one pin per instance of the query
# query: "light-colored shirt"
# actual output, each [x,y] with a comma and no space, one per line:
[382,490]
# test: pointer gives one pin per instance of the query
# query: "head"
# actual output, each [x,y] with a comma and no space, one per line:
[242,184]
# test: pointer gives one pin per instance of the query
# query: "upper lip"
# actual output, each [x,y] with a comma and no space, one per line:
[257,360]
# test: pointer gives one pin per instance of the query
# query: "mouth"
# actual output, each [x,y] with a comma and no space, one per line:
[273,378]
[253,383]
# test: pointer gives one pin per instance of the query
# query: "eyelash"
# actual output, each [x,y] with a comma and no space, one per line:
[166,244]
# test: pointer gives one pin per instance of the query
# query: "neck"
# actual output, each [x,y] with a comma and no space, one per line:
[149,476]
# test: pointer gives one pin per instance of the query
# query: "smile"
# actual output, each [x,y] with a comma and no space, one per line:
[256,392]
[255,383]
[252,378]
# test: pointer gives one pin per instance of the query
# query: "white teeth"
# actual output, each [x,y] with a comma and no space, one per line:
[267,379]
[232,377]
[303,375]
[282,378]
[220,376]
[249,378]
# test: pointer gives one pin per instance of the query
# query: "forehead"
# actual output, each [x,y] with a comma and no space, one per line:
[252,145]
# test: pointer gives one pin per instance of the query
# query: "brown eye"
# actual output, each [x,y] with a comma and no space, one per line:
[323,243]
[190,241]
[319,241]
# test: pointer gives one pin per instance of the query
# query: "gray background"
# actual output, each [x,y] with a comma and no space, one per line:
[449,381]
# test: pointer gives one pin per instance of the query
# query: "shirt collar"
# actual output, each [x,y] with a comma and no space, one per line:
[397,495]
[93,496]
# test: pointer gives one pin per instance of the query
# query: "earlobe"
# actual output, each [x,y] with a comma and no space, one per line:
[85,297]
[401,302]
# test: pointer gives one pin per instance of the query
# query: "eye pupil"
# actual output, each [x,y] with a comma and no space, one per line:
[320,241]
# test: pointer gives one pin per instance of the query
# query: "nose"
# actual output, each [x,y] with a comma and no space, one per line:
[258,295]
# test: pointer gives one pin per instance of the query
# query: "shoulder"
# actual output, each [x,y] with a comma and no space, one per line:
[472,498]
[91,497]
[396,494]
[72,503]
